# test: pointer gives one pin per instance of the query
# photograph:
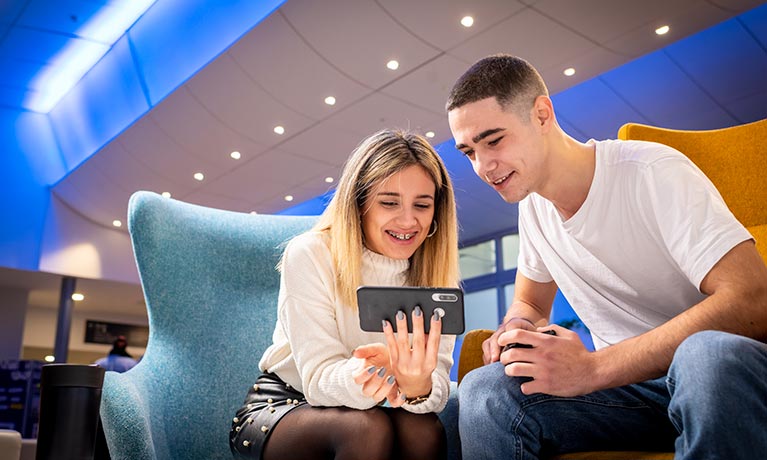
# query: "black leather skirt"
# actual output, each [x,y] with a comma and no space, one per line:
[268,400]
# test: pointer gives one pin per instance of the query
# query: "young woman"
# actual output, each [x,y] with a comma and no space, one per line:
[337,391]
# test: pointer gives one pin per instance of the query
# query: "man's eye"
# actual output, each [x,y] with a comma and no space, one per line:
[495,141]
[467,153]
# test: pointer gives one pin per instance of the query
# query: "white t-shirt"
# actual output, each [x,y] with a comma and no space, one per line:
[634,255]
[316,334]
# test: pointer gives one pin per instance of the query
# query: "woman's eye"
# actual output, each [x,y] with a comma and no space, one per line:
[388,204]
[423,205]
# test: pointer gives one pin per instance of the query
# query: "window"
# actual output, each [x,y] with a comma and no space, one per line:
[477,260]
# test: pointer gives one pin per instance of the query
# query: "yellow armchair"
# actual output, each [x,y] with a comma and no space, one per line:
[735,160]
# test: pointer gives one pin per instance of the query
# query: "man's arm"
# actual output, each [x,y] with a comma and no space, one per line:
[737,302]
[530,308]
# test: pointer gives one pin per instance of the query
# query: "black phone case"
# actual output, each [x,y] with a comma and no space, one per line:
[378,303]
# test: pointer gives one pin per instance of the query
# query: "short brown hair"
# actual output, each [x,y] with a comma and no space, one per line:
[511,80]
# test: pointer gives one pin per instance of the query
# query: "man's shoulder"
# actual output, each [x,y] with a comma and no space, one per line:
[634,152]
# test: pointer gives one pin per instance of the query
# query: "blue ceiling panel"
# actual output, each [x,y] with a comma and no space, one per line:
[32,45]
[751,108]
[23,72]
[104,103]
[64,17]
[656,87]
[572,130]
[733,74]
[755,21]
[594,109]
[176,38]
[34,143]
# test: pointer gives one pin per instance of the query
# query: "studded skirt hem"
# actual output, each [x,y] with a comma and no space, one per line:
[268,400]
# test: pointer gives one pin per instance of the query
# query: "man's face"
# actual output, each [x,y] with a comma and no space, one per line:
[505,151]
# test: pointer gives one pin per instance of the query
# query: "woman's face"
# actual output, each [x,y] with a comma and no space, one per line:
[397,214]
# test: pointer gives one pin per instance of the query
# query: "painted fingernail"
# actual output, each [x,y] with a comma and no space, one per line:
[400,315]
[371,369]
[418,311]
[384,323]
[382,372]
[403,396]
[435,316]
[390,380]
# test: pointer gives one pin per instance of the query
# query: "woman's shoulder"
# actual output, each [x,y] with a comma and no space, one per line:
[310,245]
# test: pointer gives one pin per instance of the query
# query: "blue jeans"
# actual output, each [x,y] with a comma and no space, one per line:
[712,405]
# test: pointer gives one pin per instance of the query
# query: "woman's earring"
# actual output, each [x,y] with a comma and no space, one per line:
[433,230]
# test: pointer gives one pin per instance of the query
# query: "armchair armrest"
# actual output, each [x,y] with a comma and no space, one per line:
[471,351]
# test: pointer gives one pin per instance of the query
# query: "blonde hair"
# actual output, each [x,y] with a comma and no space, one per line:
[385,153]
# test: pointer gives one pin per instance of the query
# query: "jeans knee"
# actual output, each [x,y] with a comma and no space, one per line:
[488,390]
[708,355]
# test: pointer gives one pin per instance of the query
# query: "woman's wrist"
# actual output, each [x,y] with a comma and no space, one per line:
[417,399]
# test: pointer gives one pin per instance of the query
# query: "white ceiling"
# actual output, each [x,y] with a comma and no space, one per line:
[280,72]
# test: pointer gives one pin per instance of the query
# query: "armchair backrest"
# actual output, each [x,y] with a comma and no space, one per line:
[211,289]
[734,158]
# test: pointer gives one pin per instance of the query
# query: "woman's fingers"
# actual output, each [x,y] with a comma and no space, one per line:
[432,344]
[403,340]
[364,374]
[419,337]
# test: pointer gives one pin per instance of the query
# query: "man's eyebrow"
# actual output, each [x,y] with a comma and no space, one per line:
[480,136]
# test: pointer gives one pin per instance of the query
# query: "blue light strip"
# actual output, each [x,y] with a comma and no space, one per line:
[102,30]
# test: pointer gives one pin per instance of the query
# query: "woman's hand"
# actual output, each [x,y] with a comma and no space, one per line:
[413,363]
[375,374]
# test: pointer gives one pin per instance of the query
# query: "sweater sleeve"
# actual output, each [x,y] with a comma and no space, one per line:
[307,313]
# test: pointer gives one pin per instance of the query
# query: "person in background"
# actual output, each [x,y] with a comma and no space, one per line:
[327,388]
[118,359]
[644,248]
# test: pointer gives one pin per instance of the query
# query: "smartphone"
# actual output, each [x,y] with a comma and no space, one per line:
[378,303]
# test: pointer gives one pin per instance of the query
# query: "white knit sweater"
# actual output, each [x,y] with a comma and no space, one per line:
[316,334]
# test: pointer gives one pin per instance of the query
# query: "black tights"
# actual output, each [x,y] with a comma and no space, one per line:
[340,433]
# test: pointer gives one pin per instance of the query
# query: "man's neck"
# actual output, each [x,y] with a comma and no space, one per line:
[572,172]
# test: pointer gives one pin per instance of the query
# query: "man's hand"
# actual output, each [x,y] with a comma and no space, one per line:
[491,348]
[559,365]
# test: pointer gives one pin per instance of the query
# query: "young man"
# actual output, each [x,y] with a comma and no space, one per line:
[647,253]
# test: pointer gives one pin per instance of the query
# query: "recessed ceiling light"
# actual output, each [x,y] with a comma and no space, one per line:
[429,134]
[117,223]
[288,197]
[393,65]
[279,130]
[235,155]
[329,180]
[663,30]
[166,194]
[199,176]
[77,297]
[330,100]
[253,212]
[467,21]
[49,358]
[569,71]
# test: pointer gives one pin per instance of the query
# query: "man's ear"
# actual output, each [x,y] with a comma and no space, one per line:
[543,112]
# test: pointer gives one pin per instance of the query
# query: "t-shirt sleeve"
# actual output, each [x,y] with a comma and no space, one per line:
[696,225]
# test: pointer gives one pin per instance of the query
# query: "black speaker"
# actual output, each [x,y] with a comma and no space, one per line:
[70,398]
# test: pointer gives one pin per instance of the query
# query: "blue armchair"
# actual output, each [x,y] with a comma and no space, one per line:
[211,290]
